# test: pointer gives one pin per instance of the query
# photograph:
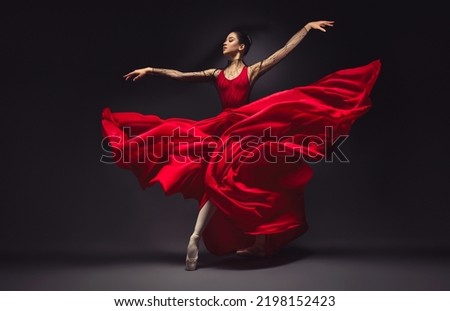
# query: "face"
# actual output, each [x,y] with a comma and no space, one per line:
[231,45]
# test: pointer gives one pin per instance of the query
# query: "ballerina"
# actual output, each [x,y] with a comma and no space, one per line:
[271,224]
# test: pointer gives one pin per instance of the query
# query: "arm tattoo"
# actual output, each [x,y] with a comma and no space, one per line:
[198,76]
[276,57]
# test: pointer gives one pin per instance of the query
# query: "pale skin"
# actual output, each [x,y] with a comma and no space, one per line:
[234,51]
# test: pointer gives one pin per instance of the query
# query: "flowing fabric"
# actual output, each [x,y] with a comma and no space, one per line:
[250,160]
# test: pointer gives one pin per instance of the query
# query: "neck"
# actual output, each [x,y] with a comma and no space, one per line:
[235,62]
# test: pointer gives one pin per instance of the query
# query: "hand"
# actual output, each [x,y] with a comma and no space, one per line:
[320,25]
[137,74]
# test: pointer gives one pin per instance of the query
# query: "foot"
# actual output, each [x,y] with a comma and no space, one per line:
[258,249]
[192,253]
[252,251]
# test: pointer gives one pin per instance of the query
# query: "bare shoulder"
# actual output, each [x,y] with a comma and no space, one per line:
[215,72]
[254,70]
[203,75]
[212,72]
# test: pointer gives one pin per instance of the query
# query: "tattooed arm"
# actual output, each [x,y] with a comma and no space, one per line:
[197,76]
[258,69]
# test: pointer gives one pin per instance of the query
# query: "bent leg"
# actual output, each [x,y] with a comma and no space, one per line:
[257,249]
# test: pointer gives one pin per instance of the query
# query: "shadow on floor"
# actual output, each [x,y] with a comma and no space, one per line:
[285,256]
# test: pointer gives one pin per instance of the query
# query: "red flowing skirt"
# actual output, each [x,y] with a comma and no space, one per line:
[252,162]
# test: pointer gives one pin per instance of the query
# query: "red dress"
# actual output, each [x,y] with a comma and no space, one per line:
[250,160]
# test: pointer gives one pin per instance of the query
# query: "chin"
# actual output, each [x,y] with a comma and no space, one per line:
[228,54]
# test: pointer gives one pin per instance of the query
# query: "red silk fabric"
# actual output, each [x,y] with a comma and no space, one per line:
[250,160]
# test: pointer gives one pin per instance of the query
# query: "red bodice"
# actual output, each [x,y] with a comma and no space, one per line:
[235,92]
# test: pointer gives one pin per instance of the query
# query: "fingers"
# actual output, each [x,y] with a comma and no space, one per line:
[128,75]
[131,75]
[322,24]
[325,23]
[138,76]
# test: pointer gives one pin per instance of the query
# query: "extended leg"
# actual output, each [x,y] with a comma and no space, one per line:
[203,217]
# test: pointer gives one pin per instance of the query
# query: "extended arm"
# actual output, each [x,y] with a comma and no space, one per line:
[197,76]
[265,65]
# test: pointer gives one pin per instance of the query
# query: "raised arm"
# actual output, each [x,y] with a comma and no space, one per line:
[196,76]
[259,68]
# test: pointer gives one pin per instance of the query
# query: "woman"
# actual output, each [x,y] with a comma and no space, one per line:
[247,205]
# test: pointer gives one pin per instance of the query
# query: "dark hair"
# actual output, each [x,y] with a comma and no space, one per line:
[244,38]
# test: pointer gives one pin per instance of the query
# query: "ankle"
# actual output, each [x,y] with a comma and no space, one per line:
[194,236]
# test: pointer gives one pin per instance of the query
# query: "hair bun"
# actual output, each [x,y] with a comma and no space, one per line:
[249,38]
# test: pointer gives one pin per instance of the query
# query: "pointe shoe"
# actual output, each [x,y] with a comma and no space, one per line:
[191,263]
[252,251]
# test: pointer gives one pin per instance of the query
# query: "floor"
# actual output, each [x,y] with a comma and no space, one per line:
[330,265]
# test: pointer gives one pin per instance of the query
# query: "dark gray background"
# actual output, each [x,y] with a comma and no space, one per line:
[63,64]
